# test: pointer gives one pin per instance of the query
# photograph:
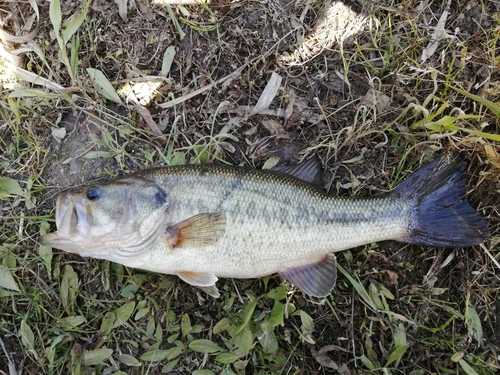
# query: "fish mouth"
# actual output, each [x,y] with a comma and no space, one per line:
[73,222]
[71,217]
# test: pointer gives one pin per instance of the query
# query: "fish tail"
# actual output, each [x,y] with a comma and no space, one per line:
[440,215]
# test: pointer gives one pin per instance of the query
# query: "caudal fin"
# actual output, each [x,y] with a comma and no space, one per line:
[440,213]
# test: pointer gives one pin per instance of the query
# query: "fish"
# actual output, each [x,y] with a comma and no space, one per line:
[207,221]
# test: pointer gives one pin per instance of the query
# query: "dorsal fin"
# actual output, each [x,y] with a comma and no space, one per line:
[309,171]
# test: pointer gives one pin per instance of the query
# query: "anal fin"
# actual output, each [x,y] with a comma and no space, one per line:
[202,280]
[197,231]
[198,278]
[317,279]
[212,290]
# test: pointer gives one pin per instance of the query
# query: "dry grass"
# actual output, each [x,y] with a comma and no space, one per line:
[374,90]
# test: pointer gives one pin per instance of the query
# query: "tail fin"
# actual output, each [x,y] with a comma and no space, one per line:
[440,213]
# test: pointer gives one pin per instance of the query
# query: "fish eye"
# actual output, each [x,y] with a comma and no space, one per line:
[94,193]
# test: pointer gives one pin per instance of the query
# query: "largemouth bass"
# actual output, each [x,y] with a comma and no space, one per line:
[202,222]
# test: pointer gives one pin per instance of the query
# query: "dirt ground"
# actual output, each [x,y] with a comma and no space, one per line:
[353,83]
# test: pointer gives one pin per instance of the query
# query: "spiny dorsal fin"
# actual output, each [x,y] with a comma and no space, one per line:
[317,279]
[309,171]
[197,231]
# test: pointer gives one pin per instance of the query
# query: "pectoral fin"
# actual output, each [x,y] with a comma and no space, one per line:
[197,231]
[202,280]
[316,279]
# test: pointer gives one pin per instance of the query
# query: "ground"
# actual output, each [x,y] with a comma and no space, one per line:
[373,89]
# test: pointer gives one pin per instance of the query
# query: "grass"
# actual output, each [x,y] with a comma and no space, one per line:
[370,108]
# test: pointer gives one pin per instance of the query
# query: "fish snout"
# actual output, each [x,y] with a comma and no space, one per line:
[72,217]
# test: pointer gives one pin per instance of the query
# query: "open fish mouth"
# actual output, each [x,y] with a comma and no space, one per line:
[73,222]
[72,218]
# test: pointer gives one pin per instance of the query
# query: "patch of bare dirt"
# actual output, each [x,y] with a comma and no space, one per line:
[69,164]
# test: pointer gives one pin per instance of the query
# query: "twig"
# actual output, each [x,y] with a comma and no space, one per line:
[192,94]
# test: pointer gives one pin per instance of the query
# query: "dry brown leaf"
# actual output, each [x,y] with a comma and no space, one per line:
[145,9]
[122,8]
[375,100]
[289,106]
[438,34]
[275,128]
[192,94]
[324,360]
[146,115]
[6,37]
[268,94]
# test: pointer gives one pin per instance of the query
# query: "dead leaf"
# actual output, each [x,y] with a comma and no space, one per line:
[192,94]
[392,277]
[375,100]
[275,128]
[289,106]
[122,8]
[438,34]
[145,9]
[268,94]
[493,154]
[324,360]
[146,115]
[298,111]
[5,36]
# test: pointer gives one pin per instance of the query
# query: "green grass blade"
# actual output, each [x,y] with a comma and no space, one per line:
[473,321]
[7,280]
[55,15]
[359,288]
[493,107]
[448,123]
[247,314]
[168,59]
[172,16]
[467,368]
[103,86]
[75,23]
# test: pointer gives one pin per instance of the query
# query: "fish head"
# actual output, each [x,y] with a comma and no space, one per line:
[105,221]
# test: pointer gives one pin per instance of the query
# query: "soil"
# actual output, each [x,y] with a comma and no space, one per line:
[68,166]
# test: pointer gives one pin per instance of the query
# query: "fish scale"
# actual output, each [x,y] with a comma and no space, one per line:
[202,222]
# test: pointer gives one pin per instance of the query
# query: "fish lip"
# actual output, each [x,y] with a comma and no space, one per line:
[54,239]
[65,219]
[73,223]
[83,218]
[72,217]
